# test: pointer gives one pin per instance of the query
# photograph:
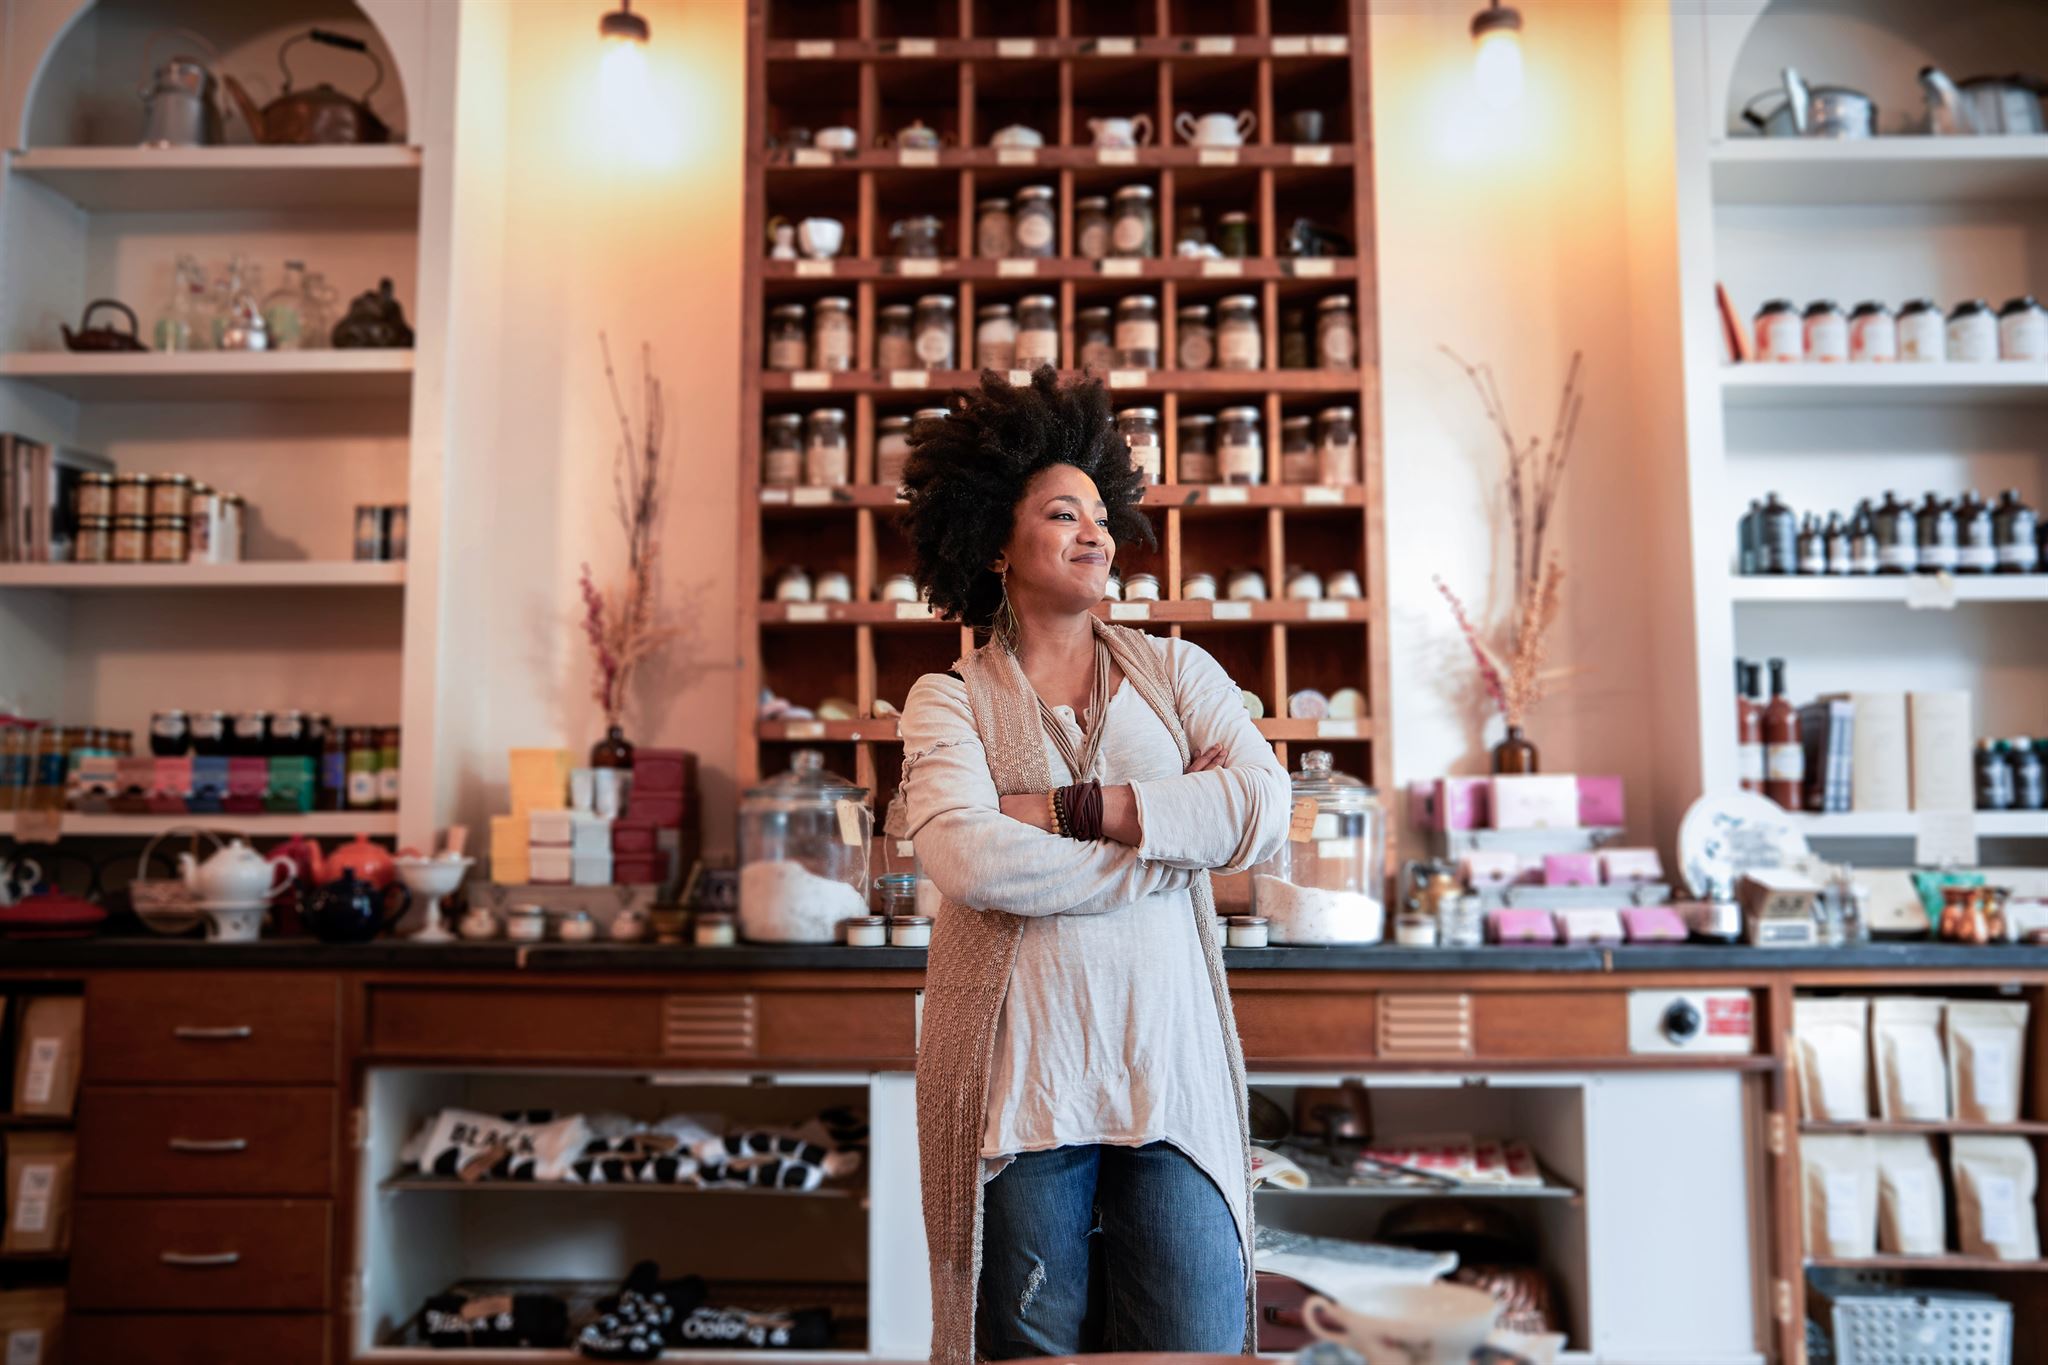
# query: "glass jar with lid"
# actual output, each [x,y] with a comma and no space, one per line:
[1238,343]
[995,337]
[1197,448]
[1038,331]
[826,461]
[95,495]
[1140,429]
[782,449]
[1295,351]
[1337,446]
[935,336]
[832,333]
[1094,339]
[94,541]
[1326,888]
[1234,235]
[892,449]
[1137,332]
[131,495]
[130,542]
[1240,450]
[1336,334]
[1036,230]
[1091,227]
[1134,228]
[893,347]
[1194,341]
[1298,449]
[993,228]
[803,838]
[789,345]
[916,237]
[170,495]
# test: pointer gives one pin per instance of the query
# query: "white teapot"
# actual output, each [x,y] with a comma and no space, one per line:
[18,878]
[1121,132]
[236,875]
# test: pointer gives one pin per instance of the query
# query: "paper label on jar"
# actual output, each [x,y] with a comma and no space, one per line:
[1010,269]
[1938,556]
[1979,557]
[1137,336]
[1973,339]
[1301,826]
[1149,460]
[1127,234]
[783,465]
[2020,556]
[786,353]
[2023,336]
[833,343]
[362,787]
[1780,337]
[1116,156]
[1922,337]
[935,346]
[1237,346]
[1873,337]
[1897,556]
[1094,240]
[853,824]
[1784,763]
[32,1197]
[1336,729]
[1037,346]
[825,466]
[1827,337]
[1335,344]
[1749,762]
[1197,348]
[1240,461]
[387,784]
[996,347]
[1034,230]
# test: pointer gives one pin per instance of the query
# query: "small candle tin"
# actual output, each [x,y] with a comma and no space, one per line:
[867,931]
[716,929]
[575,926]
[911,931]
[1249,931]
[526,924]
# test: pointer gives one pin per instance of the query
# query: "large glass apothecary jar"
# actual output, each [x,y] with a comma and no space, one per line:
[1326,882]
[804,837]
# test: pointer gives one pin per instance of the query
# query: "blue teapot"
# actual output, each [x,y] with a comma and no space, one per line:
[349,910]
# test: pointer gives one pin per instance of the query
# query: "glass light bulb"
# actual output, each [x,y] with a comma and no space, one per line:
[1497,67]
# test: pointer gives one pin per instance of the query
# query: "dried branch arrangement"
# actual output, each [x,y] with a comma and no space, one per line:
[624,624]
[1516,676]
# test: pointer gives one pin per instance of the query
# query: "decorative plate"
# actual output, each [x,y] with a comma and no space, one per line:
[1728,834]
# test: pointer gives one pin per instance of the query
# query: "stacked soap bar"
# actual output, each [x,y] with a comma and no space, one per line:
[194,784]
[575,826]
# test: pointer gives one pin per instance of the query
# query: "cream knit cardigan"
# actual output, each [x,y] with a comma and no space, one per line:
[968,972]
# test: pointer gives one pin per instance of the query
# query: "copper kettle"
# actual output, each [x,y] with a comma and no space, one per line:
[320,115]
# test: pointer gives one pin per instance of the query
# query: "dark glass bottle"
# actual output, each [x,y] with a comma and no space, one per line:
[1936,519]
[1976,551]
[251,735]
[212,733]
[1839,550]
[1898,536]
[1994,776]
[1515,754]
[1749,539]
[613,751]
[1294,347]
[1863,540]
[333,769]
[1784,756]
[2029,791]
[1810,547]
[1749,727]
[2013,530]
[1778,538]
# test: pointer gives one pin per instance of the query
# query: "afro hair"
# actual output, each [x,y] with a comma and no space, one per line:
[967,470]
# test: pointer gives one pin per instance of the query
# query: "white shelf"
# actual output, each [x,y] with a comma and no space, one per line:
[1918,590]
[377,824]
[1998,824]
[1885,170]
[288,573]
[1919,385]
[213,179]
[214,376]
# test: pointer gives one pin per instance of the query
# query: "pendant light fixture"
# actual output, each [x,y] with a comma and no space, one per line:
[623,26]
[1497,61]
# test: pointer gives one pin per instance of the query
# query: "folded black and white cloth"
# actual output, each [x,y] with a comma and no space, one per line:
[457,1321]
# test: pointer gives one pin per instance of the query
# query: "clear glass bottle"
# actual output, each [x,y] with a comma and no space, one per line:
[782,449]
[1137,332]
[935,336]
[995,337]
[238,325]
[1037,226]
[1139,427]
[1239,345]
[826,461]
[1295,351]
[789,343]
[284,310]
[917,237]
[1038,331]
[321,297]
[1134,230]
[1091,227]
[994,229]
[1197,458]
[1336,334]
[832,333]
[894,349]
[1298,463]
[1337,446]
[183,325]
[1240,450]
[1327,888]
[1194,342]
[1234,235]
[1095,339]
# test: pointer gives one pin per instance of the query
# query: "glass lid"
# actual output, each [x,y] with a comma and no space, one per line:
[1319,778]
[807,782]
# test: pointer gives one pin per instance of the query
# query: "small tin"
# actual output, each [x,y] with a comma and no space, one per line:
[168,540]
[867,931]
[910,931]
[94,541]
[170,495]
[131,540]
[95,495]
[1249,931]
[131,495]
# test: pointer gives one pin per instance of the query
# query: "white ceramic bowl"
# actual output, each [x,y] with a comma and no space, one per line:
[432,876]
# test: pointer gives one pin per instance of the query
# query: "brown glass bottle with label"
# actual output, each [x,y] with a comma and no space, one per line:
[1749,726]
[1784,758]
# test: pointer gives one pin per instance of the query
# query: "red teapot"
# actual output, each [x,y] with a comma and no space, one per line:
[365,860]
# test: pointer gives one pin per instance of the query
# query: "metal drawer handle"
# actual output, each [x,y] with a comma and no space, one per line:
[194,1033]
[200,1259]
[179,1144]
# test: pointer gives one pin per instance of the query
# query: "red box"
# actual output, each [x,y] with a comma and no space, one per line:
[663,812]
[663,771]
[638,871]
[633,838]
[248,777]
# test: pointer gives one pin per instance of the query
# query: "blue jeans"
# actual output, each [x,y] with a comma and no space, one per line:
[1096,1247]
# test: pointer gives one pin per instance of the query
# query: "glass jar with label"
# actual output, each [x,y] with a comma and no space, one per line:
[994,231]
[995,337]
[826,462]
[916,237]
[936,336]
[832,333]
[1234,235]
[1298,450]
[1197,457]
[1780,336]
[170,495]
[1134,230]
[1141,432]
[1037,229]
[1827,332]
[893,347]
[1137,332]
[94,541]
[892,448]
[1972,333]
[1336,333]
[1295,351]
[1094,339]
[1898,536]
[1239,345]
[131,495]
[1923,335]
[789,346]
[1873,334]
[782,449]
[1939,542]
[2022,330]
[95,495]
[203,525]
[1194,341]
[1326,884]
[1091,227]
[131,540]
[1337,446]
[1038,331]
[1240,452]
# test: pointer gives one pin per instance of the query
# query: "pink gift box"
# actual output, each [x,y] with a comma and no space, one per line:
[1600,802]
[1449,803]
[1521,926]
[1652,924]
[1490,867]
[1570,869]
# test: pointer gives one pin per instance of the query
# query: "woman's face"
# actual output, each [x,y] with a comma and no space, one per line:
[1060,549]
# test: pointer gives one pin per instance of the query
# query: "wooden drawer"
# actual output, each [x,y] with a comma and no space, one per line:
[253,1339]
[202,1255]
[147,1140]
[181,1027]
[1303,1026]
[1533,1025]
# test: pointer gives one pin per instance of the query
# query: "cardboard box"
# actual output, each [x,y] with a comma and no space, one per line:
[638,870]
[1450,803]
[540,779]
[512,869]
[291,786]
[1941,741]
[1878,768]
[1630,866]
[590,869]
[50,1038]
[634,838]
[667,771]
[552,866]
[32,1326]
[1570,869]
[590,836]
[1490,867]
[1533,801]
[550,828]
[39,1169]
[1601,802]
[649,808]
[209,783]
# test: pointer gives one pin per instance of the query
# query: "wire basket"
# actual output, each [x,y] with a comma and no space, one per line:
[1922,1329]
[166,904]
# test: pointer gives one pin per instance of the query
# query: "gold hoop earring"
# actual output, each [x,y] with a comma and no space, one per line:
[1004,625]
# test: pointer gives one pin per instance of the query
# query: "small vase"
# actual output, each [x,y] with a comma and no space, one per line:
[1515,754]
[612,751]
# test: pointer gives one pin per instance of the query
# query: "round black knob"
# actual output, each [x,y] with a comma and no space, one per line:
[1681,1020]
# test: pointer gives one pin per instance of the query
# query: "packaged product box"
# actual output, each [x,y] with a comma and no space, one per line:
[1601,802]
[32,1326]
[46,1060]
[1535,801]
[540,779]
[38,1193]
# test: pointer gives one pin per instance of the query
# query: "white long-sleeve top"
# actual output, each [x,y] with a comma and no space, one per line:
[1109,1030]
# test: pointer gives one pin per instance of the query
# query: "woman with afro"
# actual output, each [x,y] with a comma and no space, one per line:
[1069,785]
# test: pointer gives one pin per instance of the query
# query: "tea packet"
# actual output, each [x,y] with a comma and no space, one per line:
[51,1035]
[32,1326]
[1832,1059]
[1987,1049]
[1839,1175]
[1994,1179]
[1907,1056]
[1912,1219]
[38,1193]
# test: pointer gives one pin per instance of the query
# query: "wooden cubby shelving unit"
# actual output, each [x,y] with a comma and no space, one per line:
[1053,64]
